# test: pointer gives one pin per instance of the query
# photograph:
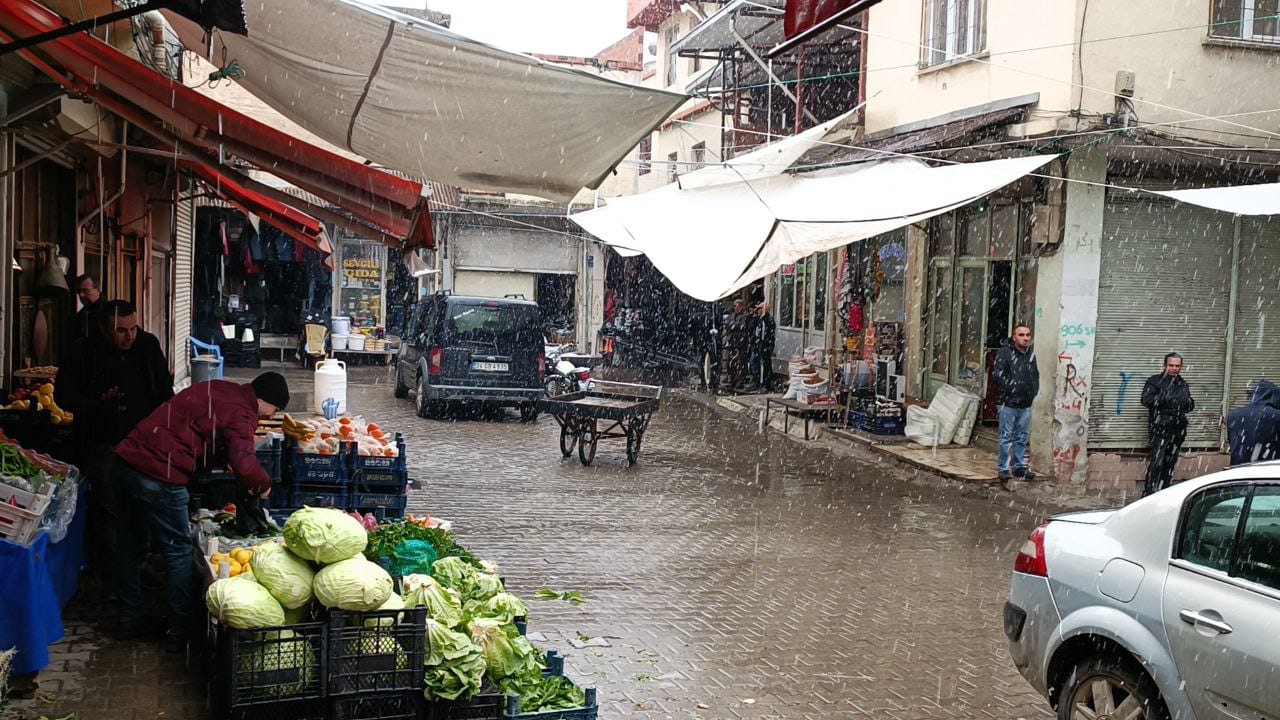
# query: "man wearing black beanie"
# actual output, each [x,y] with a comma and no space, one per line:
[212,423]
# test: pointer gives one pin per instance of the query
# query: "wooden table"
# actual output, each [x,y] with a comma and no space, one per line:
[802,410]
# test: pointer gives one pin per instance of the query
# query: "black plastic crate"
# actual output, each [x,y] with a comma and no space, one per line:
[291,710]
[389,505]
[393,706]
[254,668]
[387,657]
[590,711]
[489,705]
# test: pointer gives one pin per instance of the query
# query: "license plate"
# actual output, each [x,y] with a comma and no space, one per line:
[490,367]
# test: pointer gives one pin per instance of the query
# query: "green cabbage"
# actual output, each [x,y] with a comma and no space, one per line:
[394,602]
[455,666]
[482,587]
[443,604]
[354,584]
[508,655]
[287,576]
[241,603]
[452,572]
[324,535]
[503,607]
[291,664]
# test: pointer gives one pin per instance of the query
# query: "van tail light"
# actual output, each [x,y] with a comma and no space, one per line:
[1031,559]
[435,361]
[541,363]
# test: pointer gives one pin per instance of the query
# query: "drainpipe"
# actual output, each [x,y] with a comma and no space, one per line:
[1234,299]
[104,202]
[6,243]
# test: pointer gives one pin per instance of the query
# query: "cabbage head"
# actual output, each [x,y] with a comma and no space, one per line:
[241,603]
[443,604]
[482,586]
[354,584]
[394,602]
[503,607]
[452,572]
[286,576]
[455,666]
[279,664]
[324,535]
[507,653]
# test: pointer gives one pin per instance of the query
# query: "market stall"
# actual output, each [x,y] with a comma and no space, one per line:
[358,331]
[42,522]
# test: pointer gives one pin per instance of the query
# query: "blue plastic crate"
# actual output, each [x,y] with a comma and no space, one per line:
[591,711]
[383,470]
[877,425]
[315,468]
[334,496]
[392,505]
[271,459]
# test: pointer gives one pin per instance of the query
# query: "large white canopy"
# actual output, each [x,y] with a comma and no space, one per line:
[416,97]
[713,240]
[1261,199]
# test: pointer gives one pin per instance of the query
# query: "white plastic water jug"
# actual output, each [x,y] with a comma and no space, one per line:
[331,384]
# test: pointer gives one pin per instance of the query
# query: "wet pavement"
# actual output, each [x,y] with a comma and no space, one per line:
[727,575]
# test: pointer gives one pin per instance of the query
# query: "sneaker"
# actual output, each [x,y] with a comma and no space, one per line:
[1019,472]
[1028,475]
[1005,479]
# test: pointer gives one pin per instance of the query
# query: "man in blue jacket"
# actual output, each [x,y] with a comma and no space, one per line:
[1254,430]
[1018,380]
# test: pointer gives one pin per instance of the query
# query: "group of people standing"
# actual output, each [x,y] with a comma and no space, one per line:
[1253,431]
[139,445]
[748,346]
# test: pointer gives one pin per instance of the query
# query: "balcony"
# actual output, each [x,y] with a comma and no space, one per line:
[649,14]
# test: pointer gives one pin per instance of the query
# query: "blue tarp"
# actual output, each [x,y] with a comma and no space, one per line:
[37,582]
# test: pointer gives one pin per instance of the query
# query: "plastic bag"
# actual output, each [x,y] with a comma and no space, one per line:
[412,557]
[62,509]
[921,426]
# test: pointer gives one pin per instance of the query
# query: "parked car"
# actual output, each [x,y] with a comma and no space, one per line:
[1168,608]
[479,350]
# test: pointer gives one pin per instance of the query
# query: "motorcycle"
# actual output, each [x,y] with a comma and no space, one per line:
[562,376]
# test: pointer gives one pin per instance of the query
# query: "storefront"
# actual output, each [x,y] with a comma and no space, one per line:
[360,292]
[800,306]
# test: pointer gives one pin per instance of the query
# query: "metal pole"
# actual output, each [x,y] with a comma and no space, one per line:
[1231,330]
[765,66]
[84,25]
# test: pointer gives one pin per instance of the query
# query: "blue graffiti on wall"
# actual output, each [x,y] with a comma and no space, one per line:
[1125,377]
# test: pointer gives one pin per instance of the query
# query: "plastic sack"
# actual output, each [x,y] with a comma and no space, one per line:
[412,557]
[62,509]
[951,407]
[921,426]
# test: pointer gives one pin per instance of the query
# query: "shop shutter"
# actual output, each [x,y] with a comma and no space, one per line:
[516,250]
[1256,350]
[494,284]
[1164,287]
[183,252]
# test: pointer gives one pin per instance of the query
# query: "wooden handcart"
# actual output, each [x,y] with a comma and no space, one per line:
[605,410]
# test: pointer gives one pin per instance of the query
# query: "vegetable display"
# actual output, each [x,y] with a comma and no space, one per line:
[291,661]
[42,398]
[325,437]
[324,535]
[353,584]
[443,604]
[241,603]
[455,664]
[286,576]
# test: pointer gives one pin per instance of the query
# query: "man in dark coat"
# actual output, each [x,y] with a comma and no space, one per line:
[1018,380]
[1253,431]
[1167,397]
[110,380]
[737,341]
[86,320]
[763,339]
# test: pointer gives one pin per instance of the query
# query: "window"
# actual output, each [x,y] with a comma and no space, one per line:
[672,34]
[954,29]
[939,319]
[1248,20]
[1258,558]
[644,156]
[1209,528]
[699,155]
[673,166]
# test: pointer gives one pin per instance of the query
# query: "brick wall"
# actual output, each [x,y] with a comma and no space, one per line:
[1127,471]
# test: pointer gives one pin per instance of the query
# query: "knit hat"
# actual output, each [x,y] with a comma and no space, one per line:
[271,388]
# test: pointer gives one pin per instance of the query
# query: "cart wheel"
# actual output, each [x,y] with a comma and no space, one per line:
[568,439]
[587,444]
[634,437]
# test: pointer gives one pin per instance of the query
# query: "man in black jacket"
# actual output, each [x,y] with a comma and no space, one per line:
[86,320]
[1168,400]
[111,380]
[1018,381]
[1254,430]
[763,339]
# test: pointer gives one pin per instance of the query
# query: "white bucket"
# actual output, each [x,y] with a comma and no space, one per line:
[331,384]
[340,325]
[339,341]
[355,341]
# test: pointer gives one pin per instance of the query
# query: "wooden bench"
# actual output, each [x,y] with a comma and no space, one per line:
[801,410]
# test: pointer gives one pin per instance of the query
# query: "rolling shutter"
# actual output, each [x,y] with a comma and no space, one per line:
[1164,287]
[183,252]
[1256,351]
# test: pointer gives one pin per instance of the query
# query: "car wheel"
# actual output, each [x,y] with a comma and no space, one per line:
[423,402]
[1109,687]
[401,390]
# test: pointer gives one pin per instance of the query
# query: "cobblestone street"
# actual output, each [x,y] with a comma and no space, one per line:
[732,575]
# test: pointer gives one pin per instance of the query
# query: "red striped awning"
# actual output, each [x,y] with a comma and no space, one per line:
[210,131]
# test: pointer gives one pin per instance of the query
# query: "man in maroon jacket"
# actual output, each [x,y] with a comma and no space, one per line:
[213,422]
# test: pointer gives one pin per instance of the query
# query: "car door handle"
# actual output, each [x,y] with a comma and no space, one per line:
[1192,617]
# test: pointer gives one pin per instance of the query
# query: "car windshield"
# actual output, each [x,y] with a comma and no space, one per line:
[494,325]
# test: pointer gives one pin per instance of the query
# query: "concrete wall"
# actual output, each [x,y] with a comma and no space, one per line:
[901,92]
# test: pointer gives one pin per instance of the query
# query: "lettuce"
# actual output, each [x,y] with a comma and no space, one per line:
[455,665]
[443,604]
[503,607]
[509,656]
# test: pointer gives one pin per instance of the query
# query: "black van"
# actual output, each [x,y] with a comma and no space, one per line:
[473,349]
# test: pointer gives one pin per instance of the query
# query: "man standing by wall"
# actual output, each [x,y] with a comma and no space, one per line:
[86,321]
[737,338]
[1018,381]
[763,339]
[1167,398]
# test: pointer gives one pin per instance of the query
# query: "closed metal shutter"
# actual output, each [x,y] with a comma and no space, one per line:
[494,284]
[1164,287]
[1256,351]
[529,251]
[183,252]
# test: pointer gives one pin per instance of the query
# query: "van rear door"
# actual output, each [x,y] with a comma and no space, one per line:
[492,343]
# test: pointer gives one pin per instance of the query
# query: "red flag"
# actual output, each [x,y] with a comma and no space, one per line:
[805,15]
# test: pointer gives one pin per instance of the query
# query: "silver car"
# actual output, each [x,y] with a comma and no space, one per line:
[1168,608]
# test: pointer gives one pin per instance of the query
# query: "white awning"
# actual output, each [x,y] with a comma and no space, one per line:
[712,240]
[416,97]
[774,158]
[760,26]
[1236,199]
